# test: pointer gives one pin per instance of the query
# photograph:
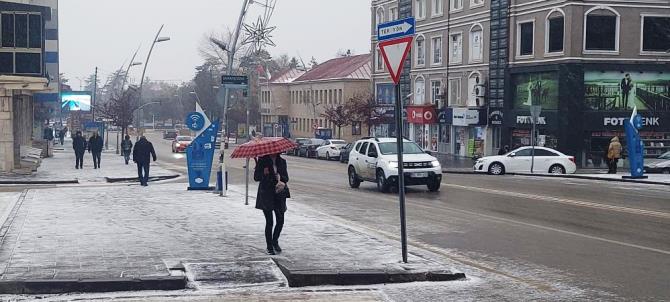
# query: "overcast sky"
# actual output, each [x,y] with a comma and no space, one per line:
[106,33]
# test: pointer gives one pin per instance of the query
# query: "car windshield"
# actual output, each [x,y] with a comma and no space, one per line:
[392,148]
[338,142]
[184,139]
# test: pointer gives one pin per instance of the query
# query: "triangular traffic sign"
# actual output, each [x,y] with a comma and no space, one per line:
[394,53]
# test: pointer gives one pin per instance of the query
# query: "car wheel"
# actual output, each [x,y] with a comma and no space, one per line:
[173,150]
[434,185]
[354,181]
[496,169]
[557,169]
[382,183]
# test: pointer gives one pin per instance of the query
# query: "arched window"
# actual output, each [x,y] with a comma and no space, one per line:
[555,32]
[419,90]
[476,43]
[601,29]
[379,15]
[420,51]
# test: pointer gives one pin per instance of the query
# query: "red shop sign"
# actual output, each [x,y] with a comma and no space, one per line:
[421,115]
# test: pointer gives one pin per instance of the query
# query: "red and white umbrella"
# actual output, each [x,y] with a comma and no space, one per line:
[259,147]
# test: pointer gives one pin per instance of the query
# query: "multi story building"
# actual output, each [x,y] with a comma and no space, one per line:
[293,102]
[29,73]
[586,63]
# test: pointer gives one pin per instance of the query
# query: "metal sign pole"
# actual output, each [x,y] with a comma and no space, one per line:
[532,142]
[401,172]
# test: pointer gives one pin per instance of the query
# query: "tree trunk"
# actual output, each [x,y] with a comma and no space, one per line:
[339,132]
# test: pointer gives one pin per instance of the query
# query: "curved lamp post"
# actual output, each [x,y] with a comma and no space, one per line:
[157,39]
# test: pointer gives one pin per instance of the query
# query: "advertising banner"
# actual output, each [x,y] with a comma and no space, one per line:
[535,89]
[623,91]
[200,153]
[76,101]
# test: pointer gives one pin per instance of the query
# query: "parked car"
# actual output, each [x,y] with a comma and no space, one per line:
[180,143]
[299,141]
[308,148]
[376,160]
[170,134]
[330,149]
[660,164]
[547,160]
[344,153]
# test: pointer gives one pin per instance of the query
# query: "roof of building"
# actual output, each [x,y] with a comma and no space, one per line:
[286,76]
[348,68]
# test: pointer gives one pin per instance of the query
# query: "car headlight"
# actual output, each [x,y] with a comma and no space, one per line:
[435,163]
[393,165]
[178,145]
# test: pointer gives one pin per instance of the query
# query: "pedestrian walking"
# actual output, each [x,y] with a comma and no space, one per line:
[503,150]
[126,148]
[95,144]
[613,155]
[79,146]
[142,154]
[61,135]
[272,174]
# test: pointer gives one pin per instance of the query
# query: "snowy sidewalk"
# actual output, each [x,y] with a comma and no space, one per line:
[60,168]
[138,232]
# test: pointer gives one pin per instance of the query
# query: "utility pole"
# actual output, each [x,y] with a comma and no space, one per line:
[95,92]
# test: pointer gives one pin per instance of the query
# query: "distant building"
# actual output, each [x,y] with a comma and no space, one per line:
[275,103]
[29,75]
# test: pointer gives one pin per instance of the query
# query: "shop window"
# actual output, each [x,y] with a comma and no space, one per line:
[356,128]
[525,33]
[602,29]
[437,50]
[420,51]
[420,9]
[655,34]
[456,48]
[476,44]
[556,32]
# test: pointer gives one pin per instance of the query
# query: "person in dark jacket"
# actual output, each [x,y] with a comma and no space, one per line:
[503,150]
[79,146]
[126,148]
[95,144]
[142,154]
[272,174]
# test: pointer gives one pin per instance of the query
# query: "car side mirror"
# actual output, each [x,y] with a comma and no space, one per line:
[512,155]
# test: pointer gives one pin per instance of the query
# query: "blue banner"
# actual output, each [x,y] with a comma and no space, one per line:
[199,157]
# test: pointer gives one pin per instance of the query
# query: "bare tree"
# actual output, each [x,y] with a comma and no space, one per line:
[120,109]
[339,115]
[363,109]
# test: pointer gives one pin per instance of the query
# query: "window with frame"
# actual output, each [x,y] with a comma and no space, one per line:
[379,61]
[601,30]
[456,48]
[456,5]
[438,9]
[393,13]
[435,95]
[419,91]
[476,44]
[356,128]
[656,34]
[525,35]
[379,15]
[437,50]
[420,51]
[473,80]
[455,91]
[476,3]
[420,9]
[556,32]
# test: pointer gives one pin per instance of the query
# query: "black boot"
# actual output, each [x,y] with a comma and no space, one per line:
[271,251]
[276,247]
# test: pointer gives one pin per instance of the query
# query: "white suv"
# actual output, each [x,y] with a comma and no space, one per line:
[376,160]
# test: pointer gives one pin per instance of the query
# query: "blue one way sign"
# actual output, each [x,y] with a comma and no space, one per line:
[395,29]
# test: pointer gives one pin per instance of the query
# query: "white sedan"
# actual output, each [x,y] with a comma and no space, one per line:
[519,161]
[330,149]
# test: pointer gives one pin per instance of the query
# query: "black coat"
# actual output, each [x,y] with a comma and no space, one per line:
[95,144]
[79,144]
[143,152]
[267,199]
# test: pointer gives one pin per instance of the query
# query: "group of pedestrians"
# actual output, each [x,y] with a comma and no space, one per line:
[93,145]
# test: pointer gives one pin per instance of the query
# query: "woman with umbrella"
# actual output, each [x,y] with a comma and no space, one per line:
[272,174]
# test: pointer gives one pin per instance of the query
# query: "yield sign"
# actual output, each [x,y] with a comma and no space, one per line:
[394,53]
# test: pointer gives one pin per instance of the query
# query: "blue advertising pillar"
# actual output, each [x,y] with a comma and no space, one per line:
[635,146]
[200,153]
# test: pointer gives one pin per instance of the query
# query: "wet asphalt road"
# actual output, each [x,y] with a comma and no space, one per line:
[602,236]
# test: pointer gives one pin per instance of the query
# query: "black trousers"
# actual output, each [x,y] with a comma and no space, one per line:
[613,165]
[144,178]
[624,99]
[271,237]
[79,160]
[96,159]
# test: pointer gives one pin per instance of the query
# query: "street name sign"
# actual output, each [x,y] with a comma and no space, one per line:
[396,29]
[234,80]
[394,53]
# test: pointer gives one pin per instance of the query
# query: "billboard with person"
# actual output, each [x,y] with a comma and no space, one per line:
[76,101]
[623,91]
[539,88]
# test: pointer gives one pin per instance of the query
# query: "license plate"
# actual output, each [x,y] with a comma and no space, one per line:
[420,175]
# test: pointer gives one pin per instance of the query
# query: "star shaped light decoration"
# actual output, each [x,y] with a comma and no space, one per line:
[258,34]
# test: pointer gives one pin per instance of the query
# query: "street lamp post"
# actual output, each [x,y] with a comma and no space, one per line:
[157,39]
[123,84]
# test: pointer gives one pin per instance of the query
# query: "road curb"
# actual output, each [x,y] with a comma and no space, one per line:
[457,172]
[135,179]
[319,277]
[596,178]
[38,182]
[56,286]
